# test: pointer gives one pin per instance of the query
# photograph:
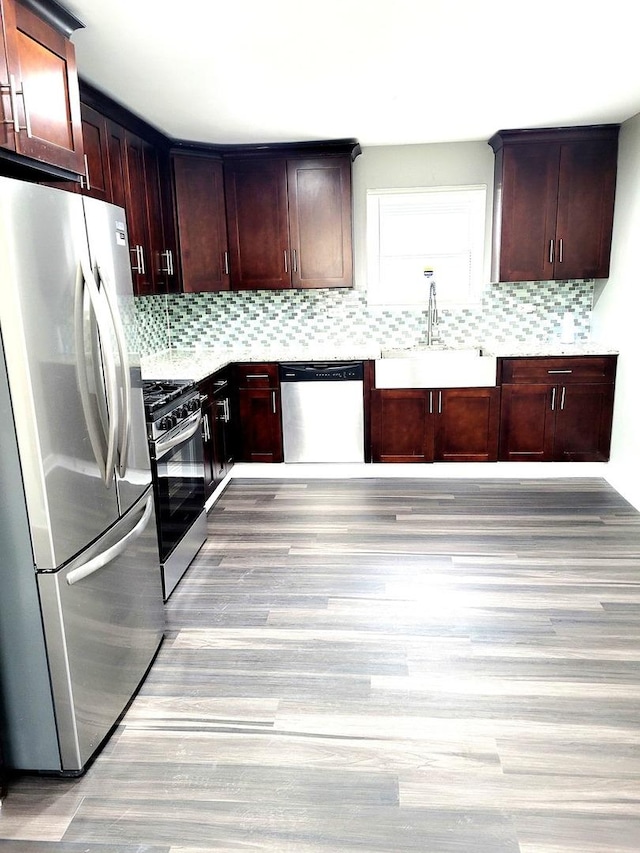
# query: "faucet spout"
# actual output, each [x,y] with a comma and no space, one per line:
[432,313]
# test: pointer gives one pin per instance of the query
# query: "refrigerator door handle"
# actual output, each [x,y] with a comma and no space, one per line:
[101,560]
[85,283]
[125,414]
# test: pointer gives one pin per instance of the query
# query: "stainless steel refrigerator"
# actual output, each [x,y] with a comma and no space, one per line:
[81,612]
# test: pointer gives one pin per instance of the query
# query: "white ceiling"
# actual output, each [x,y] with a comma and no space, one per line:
[386,72]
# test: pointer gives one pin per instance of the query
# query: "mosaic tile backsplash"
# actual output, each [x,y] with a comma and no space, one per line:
[523,312]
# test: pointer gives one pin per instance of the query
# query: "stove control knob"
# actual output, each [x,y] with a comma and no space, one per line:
[167,422]
[181,412]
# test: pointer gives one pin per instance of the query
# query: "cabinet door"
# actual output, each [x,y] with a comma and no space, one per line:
[583,423]
[208,450]
[223,453]
[202,224]
[42,61]
[160,272]
[527,190]
[97,183]
[467,424]
[260,425]
[116,148]
[585,209]
[319,193]
[402,428]
[527,423]
[257,224]
[137,222]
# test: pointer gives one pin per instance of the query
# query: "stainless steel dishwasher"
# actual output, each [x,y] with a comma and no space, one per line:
[323,411]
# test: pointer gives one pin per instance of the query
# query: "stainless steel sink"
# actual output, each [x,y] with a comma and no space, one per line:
[435,368]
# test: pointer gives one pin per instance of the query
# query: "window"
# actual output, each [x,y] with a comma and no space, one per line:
[410,230]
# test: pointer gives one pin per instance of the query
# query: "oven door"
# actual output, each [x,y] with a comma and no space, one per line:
[178,481]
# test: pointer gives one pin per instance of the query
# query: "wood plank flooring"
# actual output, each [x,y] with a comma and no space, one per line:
[442,666]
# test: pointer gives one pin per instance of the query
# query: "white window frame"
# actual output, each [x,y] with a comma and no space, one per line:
[473,199]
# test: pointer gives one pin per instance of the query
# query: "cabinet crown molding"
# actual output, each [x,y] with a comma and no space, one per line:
[554,134]
[55,15]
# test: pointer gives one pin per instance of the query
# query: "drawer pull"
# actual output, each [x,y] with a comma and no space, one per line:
[257,376]
[559,371]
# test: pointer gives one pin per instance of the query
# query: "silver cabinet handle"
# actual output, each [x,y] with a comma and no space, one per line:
[85,183]
[273,402]
[168,257]
[561,251]
[206,432]
[295,260]
[439,402]
[224,405]
[14,92]
[553,399]
[286,263]
[257,376]
[138,267]
[11,88]
[430,402]
[562,396]
[559,371]
[550,251]
[114,551]
[225,256]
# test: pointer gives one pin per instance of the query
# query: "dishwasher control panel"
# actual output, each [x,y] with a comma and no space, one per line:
[339,371]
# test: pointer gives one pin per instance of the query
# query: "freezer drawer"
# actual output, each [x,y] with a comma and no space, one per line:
[102,630]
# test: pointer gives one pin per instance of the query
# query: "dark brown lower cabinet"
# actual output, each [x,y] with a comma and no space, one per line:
[260,429]
[259,413]
[441,425]
[557,409]
[556,423]
[217,428]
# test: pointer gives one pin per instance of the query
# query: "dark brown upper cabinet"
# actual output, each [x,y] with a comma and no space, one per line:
[201,223]
[96,181]
[289,221]
[39,97]
[553,203]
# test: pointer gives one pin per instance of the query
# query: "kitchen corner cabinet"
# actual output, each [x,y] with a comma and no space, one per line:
[289,221]
[201,223]
[39,97]
[216,429]
[557,409]
[553,208]
[259,413]
[441,425]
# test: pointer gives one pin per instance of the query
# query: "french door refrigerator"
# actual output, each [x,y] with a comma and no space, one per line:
[81,612]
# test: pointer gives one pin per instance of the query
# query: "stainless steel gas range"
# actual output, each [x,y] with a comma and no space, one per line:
[174,417]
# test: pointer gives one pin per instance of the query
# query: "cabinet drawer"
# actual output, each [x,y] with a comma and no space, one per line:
[561,369]
[259,375]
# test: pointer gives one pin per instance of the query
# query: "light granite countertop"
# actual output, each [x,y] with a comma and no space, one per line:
[197,364]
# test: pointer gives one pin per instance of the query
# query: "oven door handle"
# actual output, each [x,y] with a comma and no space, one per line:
[191,426]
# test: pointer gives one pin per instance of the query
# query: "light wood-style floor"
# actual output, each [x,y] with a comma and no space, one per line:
[442,666]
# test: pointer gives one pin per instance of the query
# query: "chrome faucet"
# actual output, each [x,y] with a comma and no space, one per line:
[432,313]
